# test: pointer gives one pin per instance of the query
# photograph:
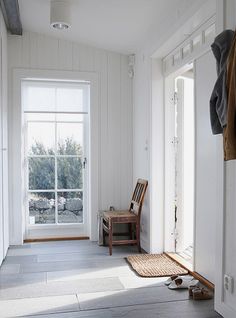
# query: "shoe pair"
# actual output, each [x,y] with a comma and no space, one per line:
[199,293]
[181,282]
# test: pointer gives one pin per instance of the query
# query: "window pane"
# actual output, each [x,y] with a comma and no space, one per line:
[41,173]
[70,117]
[69,139]
[69,99]
[70,207]
[69,173]
[39,98]
[41,138]
[40,116]
[41,208]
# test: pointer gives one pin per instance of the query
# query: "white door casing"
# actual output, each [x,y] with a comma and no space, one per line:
[17,151]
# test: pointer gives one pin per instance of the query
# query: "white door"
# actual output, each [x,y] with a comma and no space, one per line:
[56,163]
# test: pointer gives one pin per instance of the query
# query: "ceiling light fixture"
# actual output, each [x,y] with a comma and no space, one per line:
[60,15]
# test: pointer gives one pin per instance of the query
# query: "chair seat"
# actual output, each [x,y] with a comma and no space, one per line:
[117,215]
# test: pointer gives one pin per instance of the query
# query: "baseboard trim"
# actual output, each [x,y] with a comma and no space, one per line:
[196,275]
[50,239]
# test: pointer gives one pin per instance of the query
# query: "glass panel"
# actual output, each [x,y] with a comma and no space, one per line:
[69,173]
[210,33]
[39,98]
[70,117]
[70,139]
[197,41]
[41,138]
[177,57]
[69,98]
[41,208]
[40,116]
[70,207]
[41,173]
[55,96]
[186,50]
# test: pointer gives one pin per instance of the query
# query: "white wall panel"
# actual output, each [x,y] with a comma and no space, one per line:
[36,51]
[206,188]
[4,226]
[225,301]
[65,55]
[141,140]
[114,122]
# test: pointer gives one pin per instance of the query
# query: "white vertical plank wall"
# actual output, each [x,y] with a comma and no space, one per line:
[37,51]
[4,225]
[206,151]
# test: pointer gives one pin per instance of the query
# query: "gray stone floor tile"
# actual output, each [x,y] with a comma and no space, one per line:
[179,309]
[28,259]
[60,288]
[130,297]
[102,263]
[43,305]
[7,269]
[139,282]
[54,266]
[82,255]
[123,272]
[13,280]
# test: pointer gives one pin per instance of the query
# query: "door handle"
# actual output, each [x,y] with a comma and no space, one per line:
[84,162]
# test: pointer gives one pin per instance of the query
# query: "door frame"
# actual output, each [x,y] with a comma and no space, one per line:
[16,156]
[169,171]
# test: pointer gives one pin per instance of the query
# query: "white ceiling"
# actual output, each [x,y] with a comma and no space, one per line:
[117,25]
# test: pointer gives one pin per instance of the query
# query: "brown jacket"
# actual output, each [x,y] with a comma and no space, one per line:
[230,130]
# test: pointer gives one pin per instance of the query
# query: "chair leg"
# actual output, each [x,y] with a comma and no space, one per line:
[103,237]
[130,231]
[138,237]
[110,237]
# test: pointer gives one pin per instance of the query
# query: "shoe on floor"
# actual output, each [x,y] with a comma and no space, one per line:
[170,279]
[173,277]
[180,283]
[201,294]
[190,290]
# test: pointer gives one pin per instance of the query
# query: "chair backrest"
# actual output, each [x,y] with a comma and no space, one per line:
[138,197]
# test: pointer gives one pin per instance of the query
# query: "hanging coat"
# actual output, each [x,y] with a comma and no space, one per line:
[218,100]
[230,129]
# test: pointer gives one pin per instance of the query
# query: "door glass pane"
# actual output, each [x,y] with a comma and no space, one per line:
[70,117]
[69,173]
[69,98]
[41,173]
[70,207]
[39,97]
[41,138]
[42,208]
[70,139]
[40,116]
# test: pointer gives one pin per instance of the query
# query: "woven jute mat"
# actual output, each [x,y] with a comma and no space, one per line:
[155,265]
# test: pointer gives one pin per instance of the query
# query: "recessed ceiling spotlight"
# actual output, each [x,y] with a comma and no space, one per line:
[60,15]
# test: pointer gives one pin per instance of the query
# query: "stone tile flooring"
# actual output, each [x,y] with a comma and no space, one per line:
[70,279]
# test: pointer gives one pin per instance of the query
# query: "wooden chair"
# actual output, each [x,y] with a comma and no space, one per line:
[130,217]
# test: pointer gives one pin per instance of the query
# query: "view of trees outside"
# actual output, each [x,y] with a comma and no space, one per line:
[42,176]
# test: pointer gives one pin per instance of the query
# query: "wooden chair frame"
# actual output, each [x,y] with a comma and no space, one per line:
[131,217]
